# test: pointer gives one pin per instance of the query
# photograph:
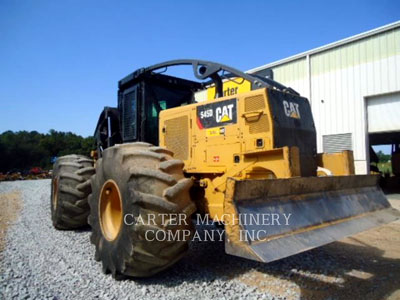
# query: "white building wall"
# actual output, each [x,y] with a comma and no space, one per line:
[339,79]
[343,77]
[294,74]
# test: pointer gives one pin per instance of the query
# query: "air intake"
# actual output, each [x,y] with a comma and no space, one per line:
[177,136]
[254,103]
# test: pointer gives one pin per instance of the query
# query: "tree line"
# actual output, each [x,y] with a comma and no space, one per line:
[383,157]
[23,150]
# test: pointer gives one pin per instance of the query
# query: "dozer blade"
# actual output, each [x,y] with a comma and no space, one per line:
[266,220]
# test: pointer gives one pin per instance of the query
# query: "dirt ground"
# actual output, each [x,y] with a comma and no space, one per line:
[364,266]
[10,204]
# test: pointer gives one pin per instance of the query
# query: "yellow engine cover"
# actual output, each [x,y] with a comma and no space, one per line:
[230,136]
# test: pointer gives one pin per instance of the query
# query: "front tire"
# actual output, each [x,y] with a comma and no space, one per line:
[145,182]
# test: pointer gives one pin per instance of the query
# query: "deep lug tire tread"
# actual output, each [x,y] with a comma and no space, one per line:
[151,182]
[73,173]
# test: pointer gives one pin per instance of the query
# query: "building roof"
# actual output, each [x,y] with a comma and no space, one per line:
[329,46]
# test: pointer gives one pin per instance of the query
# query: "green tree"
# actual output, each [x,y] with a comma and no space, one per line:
[23,150]
[383,157]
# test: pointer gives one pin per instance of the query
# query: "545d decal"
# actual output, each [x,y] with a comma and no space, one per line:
[217,114]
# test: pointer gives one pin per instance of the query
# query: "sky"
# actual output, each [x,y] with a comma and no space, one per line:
[60,61]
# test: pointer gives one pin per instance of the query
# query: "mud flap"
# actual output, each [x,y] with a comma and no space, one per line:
[266,220]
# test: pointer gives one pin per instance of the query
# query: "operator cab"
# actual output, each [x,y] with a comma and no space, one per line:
[145,92]
[141,98]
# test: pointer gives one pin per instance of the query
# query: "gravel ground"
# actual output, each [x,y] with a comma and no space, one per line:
[41,262]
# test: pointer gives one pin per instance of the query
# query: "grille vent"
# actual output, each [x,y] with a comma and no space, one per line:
[254,103]
[177,135]
[129,116]
[337,142]
[259,126]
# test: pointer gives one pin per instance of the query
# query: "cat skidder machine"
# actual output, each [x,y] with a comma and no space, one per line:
[231,146]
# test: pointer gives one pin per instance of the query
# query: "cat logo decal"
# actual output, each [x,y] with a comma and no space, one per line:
[291,109]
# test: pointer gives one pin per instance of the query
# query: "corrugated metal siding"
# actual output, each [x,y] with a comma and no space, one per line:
[294,75]
[341,78]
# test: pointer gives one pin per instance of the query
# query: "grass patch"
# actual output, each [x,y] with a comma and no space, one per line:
[385,167]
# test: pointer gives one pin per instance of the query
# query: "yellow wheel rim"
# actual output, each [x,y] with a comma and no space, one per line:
[110,210]
[55,192]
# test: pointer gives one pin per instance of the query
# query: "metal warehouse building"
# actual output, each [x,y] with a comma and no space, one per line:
[354,89]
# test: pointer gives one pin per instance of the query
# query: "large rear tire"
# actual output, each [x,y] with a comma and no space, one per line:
[138,181]
[70,187]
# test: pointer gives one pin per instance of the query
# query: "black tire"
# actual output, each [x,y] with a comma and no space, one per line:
[70,187]
[150,182]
